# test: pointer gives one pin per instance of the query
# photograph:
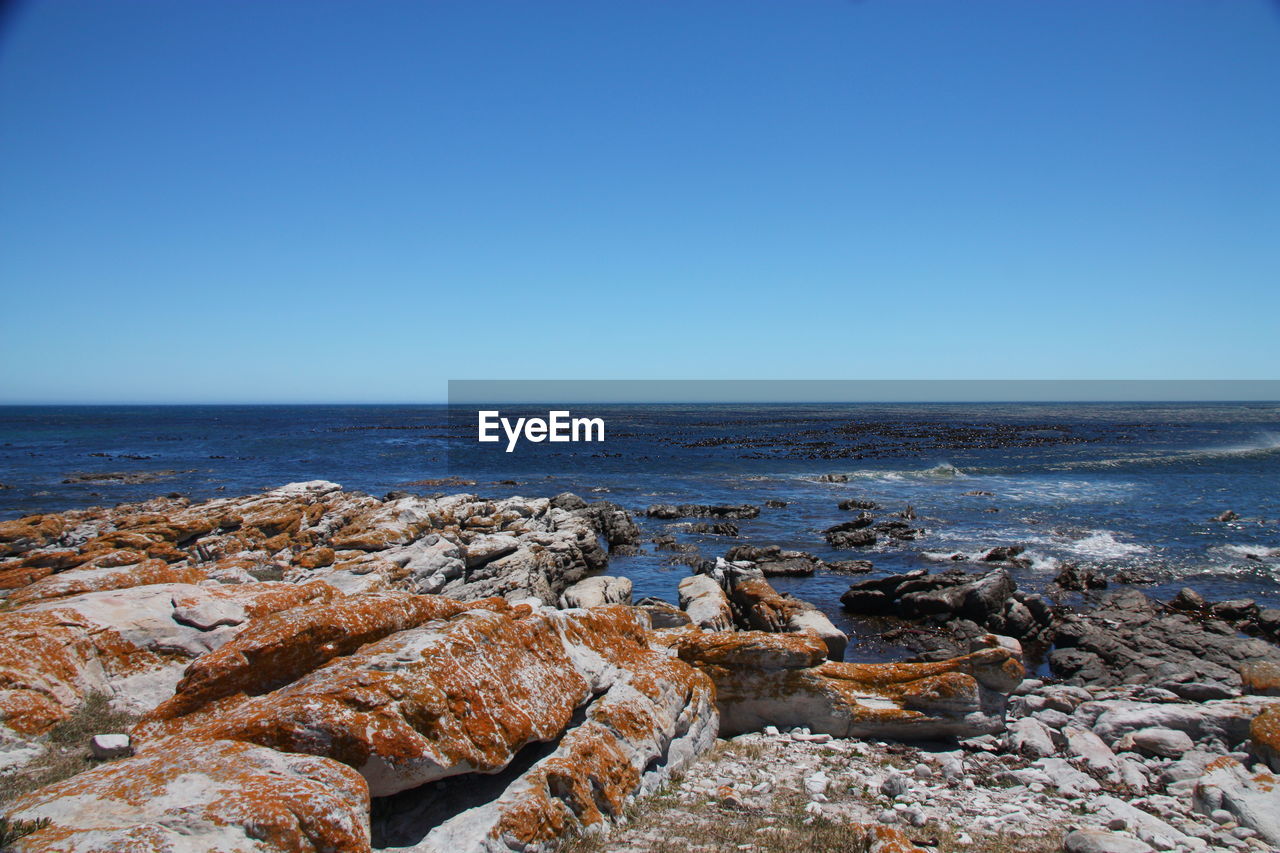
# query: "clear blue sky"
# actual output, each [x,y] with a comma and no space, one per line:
[356,201]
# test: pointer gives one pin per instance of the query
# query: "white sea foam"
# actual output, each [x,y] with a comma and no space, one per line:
[1103,545]
[1252,552]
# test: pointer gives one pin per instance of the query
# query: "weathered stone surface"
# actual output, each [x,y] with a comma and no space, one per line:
[1261,678]
[1225,721]
[131,644]
[705,602]
[1253,799]
[448,697]
[1132,639]
[1264,734]
[1163,743]
[758,606]
[597,591]
[773,561]
[80,581]
[1101,841]
[965,605]
[780,679]
[670,511]
[185,797]
[1032,738]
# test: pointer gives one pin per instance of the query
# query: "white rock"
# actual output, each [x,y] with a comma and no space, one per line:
[1253,800]
[1031,738]
[1165,743]
[1095,754]
[110,746]
[1098,841]
[597,591]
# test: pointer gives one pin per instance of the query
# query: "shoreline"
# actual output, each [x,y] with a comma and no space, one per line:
[145,609]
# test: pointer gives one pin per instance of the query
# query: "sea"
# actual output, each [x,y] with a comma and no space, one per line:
[1108,486]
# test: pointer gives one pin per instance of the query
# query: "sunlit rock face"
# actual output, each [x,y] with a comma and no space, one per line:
[785,680]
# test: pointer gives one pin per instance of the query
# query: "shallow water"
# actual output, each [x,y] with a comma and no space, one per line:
[1107,485]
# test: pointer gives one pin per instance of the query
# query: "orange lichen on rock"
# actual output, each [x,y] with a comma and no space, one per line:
[780,679]
[54,653]
[445,698]
[280,648]
[34,531]
[79,581]
[1264,732]
[1261,678]
[207,795]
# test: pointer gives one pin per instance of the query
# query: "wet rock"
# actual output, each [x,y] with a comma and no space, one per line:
[1225,516]
[1078,578]
[613,523]
[850,534]
[850,567]
[849,504]
[773,561]
[672,511]
[714,528]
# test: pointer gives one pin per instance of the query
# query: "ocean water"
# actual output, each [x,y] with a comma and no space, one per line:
[1105,485]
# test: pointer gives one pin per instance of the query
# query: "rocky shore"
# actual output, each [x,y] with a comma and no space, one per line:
[311,669]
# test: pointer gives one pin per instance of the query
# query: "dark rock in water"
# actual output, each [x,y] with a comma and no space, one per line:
[1131,639]
[716,528]
[908,512]
[568,501]
[775,504]
[1235,610]
[833,478]
[871,602]
[851,567]
[899,530]
[1188,599]
[611,521]
[397,495]
[863,519]
[846,539]
[953,601]
[1003,553]
[773,561]
[857,503]
[694,561]
[1132,576]
[1269,621]
[1227,515]
[980,493]
[670,511]
[625,550]
[667,542]
[1074,577]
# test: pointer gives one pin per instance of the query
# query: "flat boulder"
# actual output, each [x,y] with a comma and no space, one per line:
[204,795]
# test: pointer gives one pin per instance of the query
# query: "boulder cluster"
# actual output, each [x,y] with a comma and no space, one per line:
[317,669]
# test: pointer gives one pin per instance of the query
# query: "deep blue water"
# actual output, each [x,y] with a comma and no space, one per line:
[1109,485]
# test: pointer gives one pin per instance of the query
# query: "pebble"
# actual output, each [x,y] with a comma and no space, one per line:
[922,771]
[895,784]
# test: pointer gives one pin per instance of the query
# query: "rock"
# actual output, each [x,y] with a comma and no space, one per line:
[780,679]
[850,567]
[706,603]
[1131,639]
[1148,827]
[857,503]
[1261,678]
[773,561]
[1225,516]
[663,615]
[1095,755]
[669,511]
[613,523]
[110,746]
[202,795]
[895,785]
[1074,577]
[1264,735]
[1163,743]
[1225,721]
[759,607]
[1097,841]
[127,643]
[597,591]
[1003,554]
[80,581]
[1031,738]
[568,501]
[1188,599]
[1067,779]
[714,528]
[464,695]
